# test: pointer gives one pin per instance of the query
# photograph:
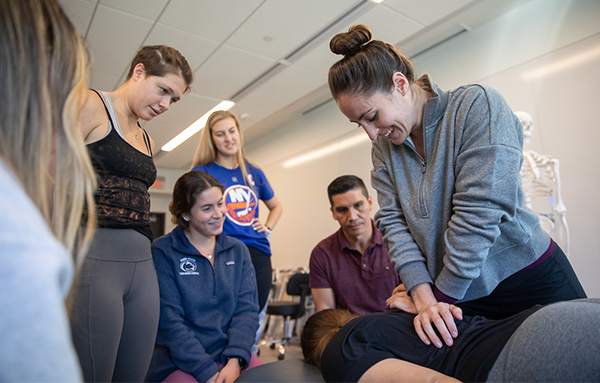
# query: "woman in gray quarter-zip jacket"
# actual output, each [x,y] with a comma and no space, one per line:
[446,168]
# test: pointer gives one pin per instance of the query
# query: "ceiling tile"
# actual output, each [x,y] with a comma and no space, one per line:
[79,12]
[194,48]
[283,88]
[228,71]
[385,24]
[142,8]
[426,11]
[279,27]
[319,59]
[114,38]
[388,25]
[208,18]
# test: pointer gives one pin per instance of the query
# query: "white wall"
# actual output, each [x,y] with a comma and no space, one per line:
[563,104]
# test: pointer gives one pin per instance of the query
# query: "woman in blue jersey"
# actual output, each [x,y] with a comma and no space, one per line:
[115,316]
[220,153]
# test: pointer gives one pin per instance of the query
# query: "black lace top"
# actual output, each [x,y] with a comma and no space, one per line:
[124,176]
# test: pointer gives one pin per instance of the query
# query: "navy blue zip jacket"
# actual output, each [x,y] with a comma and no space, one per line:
[206,314]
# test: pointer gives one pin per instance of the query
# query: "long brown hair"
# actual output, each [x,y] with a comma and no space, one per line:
[43,67]
[318,331]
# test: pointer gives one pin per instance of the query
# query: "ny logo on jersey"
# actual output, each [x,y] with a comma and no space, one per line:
[241,203]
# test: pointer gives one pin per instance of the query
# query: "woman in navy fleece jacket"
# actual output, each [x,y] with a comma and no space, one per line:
[208,298]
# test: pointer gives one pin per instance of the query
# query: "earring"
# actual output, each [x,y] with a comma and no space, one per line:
[186,219]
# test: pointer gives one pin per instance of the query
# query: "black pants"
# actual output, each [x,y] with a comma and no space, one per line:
[264,274]
[551,281]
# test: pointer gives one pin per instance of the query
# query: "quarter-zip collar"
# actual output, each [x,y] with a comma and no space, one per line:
[182,244]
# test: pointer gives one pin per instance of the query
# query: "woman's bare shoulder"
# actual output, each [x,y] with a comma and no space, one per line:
[94,120]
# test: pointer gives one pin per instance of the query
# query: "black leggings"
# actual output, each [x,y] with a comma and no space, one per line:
[264,274]
[551,281]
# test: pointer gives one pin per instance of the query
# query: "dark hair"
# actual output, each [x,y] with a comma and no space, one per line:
[318,331]
[160,60]
[343,184]
[187,189]
[367,66]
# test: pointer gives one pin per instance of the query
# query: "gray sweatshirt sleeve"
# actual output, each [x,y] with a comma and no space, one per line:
[403,251]
[487,188]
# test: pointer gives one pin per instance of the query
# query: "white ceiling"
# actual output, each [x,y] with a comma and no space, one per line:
[269,56]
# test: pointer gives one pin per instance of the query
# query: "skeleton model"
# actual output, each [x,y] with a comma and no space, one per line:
[541,182]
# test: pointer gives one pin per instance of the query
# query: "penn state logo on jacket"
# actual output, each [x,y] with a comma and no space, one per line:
[241,203]
[188,266]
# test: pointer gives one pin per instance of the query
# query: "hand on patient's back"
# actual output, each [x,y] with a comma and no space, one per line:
[441,315]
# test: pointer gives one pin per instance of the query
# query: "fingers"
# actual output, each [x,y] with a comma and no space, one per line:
[456,312]
[450,327]
[258,226]
[438,317]
[393,302]
[420,332]
[396,296]
[400,288]
[401,301]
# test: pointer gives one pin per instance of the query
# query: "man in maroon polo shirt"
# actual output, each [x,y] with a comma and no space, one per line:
[350,269]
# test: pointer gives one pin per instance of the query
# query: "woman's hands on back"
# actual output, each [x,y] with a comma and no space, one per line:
[429,312]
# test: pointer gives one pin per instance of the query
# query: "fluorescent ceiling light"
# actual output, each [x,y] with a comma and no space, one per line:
[376,1]
[195,127]
[318,153]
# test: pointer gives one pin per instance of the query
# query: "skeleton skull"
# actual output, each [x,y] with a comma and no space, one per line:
[527,122]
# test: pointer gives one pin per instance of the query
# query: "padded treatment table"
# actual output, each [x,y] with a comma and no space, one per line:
[289,370]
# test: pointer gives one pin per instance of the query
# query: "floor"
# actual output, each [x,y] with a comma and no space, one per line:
[274,330]
[268,354]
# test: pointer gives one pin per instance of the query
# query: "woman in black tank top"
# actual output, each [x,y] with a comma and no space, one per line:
[115,314]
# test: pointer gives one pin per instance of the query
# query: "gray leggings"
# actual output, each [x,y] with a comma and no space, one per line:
[114,318]
[558,343]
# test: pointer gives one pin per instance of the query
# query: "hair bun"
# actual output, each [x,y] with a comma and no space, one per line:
[348,43]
